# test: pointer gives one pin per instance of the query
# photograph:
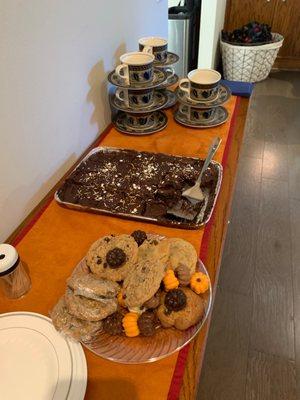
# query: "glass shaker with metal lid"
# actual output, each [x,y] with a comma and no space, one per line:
[14,280]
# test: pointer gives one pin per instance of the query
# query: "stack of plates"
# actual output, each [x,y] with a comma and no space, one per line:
[38,363]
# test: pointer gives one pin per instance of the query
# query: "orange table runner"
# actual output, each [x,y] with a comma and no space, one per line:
[57,238]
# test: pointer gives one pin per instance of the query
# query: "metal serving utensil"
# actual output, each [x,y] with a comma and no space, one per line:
[194,193]
[189,210]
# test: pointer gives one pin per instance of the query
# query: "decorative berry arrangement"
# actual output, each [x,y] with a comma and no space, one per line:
[175,300]
[146,323]
[139,237]
[113,324]
[252,33]
[115,257]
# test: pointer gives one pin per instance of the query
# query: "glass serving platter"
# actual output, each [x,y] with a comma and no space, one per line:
[140,349]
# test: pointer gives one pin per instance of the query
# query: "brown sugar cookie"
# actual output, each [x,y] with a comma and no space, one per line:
[71,326]
[181,308]
[143,282]
[112,257]
[88,309]
[182,252]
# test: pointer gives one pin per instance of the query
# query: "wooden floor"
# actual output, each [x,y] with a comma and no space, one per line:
[253,349]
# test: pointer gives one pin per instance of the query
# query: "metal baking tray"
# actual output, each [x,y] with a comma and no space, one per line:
[195,224]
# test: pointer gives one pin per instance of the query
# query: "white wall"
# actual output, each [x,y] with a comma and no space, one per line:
[173,3]
[54,59]
[211,24]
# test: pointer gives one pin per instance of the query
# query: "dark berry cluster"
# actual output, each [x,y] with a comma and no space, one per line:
[175,300]
[139,236]
[113,324]
[147,323]
[252,33]
[115,257]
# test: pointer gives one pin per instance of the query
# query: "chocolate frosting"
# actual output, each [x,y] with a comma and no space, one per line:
[132,182]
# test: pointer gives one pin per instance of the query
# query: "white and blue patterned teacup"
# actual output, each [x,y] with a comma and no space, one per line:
[201,84]
[155,45]
[197,114]
[136,68]
[135,98]
[140,121]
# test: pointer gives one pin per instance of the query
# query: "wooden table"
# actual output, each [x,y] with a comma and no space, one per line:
[39,300]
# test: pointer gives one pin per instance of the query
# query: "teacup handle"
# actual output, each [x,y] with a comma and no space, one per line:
[171,70]
[122,95]
[148,49]
[184,109]
[123,72]
[185,89]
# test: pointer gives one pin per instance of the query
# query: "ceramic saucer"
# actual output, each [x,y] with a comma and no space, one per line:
[223,95]
[159,77]
[220,116]
[159,101]
[172,99]
[171,80]
[160,122]
[172,58]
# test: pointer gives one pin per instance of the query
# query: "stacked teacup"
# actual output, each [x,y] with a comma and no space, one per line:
[137,96]
[164,60]
[201,96]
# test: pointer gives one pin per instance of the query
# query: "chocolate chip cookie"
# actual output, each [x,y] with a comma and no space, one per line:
[112,257]
[143,282]
[154,249]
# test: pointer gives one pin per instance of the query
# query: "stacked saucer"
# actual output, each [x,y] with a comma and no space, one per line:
[141,79]
[201,96]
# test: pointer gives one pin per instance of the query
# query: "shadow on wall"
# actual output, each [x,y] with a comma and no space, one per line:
[49,182]
[100,90]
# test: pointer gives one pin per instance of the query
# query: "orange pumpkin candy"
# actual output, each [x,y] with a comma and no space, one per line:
[199,282]
[170,280]
[121,299]
[130,324]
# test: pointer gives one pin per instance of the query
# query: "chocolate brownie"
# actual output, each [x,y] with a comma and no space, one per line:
[138,183]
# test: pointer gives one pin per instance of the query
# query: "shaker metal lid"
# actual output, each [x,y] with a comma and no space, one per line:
[8,258]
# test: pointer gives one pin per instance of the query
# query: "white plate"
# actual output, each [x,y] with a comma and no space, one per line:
[37,363]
